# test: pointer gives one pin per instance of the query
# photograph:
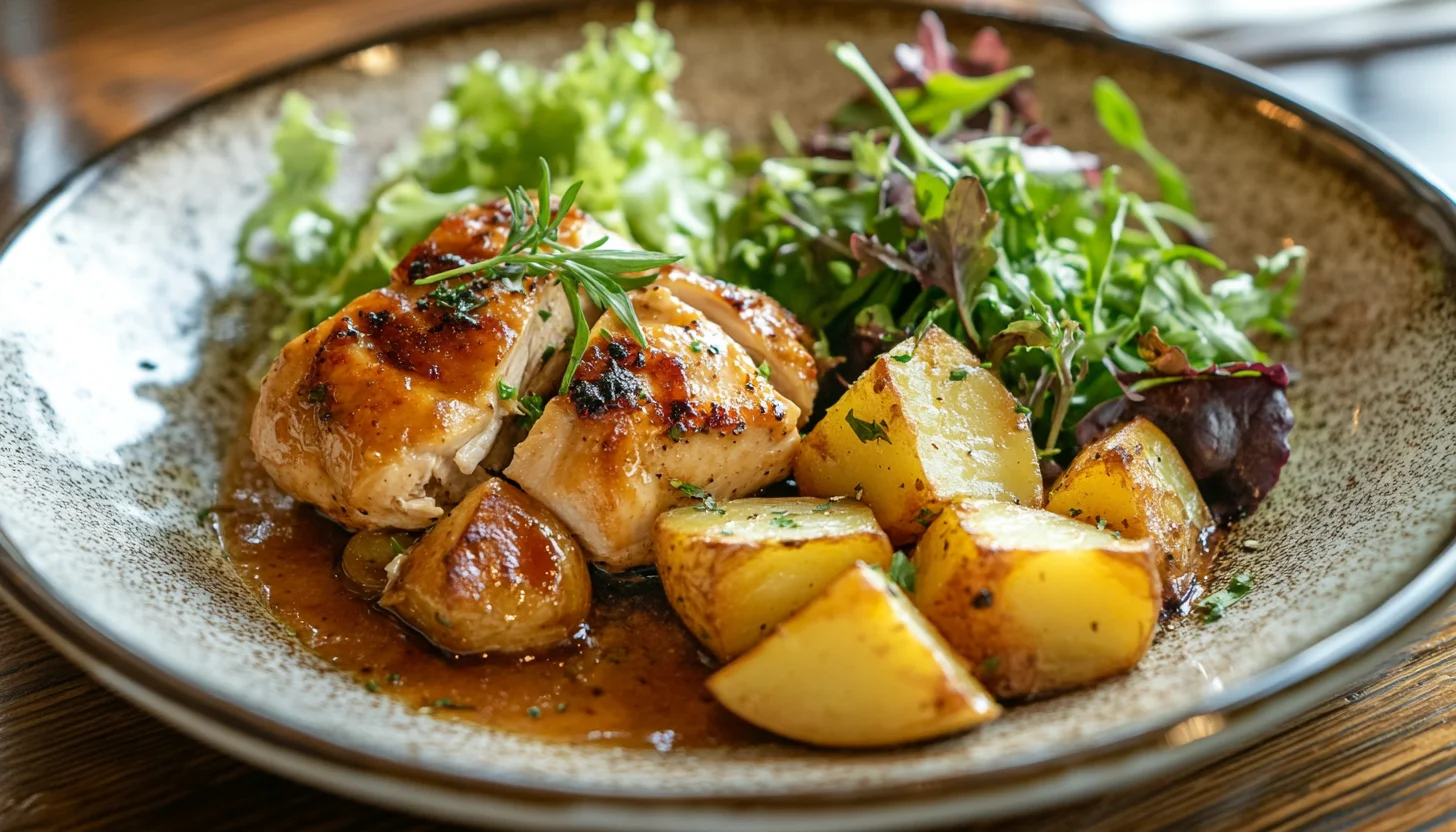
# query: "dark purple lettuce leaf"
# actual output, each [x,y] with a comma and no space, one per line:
[1231,424]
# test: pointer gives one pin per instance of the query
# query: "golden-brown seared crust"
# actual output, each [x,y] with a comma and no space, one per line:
[690,407]
[764,328]
[393,401]
[498,574]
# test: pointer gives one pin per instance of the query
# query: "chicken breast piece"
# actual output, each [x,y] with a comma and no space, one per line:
[766,330]
[382,414]
[499,574]
[642,429]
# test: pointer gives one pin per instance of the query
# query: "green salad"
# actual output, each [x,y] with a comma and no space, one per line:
[936,197]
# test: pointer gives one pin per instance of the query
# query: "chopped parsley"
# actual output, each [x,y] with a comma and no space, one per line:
[926,516]
[696,346]
[533,712]
[902,572]
[868,431]
[765,370]
[544,313]
[506,391]
[903,358]
[676,432]
[705,500]
[960,373]
[531,408]
[457,301]
[393,678]
[1022,409]
[824,506]
[784,522]
[548,352]
[1214,605]
[371,686]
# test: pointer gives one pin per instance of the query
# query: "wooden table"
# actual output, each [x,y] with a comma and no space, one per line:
[74,757]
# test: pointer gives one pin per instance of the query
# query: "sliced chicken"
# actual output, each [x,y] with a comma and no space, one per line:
[382,414]
[766,330]
[643,429]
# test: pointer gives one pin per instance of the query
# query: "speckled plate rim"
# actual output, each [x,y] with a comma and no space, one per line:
[1136,752]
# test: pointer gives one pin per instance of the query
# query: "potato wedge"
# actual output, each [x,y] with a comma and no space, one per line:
[733,576]
[498,574]
[1036,602]
[916,433]
[856,667]
[1132,480]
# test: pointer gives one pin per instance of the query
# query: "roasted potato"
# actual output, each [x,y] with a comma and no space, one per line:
[733,576]
[1133,481]
[923,425]
[856,667]
[367,555]
[498,574]
[1036,602]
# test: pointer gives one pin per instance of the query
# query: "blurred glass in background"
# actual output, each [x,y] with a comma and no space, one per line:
[77,75]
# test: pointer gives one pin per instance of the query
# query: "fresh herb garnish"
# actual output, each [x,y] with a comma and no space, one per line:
[533,712]
[960,373]
[532,249]
[926,516]
[544,313]
[868,431]
[394,546]
[371,686]
[902,572]
[696,346]
[676,432]
[505,391]
[1214,605]
[765,370]
[784,522]
[705,500]
[531,408]
[903,358]
[824,506]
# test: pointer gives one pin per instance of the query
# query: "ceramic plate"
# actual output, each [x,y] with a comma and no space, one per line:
[120,384]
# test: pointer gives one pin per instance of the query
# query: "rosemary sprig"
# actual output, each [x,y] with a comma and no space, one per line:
[532,249]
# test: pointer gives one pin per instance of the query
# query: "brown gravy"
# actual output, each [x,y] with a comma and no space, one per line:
[633,676]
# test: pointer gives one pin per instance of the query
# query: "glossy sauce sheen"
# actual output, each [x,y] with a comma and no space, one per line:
[633,677]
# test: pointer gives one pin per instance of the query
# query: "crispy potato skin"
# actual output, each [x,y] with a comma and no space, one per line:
[857,667]
[1035,602]
[944,438]
[733,577]
[1134,479]
[499,574]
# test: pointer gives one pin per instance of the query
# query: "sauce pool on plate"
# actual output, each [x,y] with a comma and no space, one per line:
[632,676]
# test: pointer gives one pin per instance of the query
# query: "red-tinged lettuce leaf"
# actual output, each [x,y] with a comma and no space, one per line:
[932,54]
[1230,423]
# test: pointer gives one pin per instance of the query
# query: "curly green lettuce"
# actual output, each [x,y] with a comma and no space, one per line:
[605,115]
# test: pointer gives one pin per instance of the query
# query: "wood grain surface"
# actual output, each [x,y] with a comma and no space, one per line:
[75,757]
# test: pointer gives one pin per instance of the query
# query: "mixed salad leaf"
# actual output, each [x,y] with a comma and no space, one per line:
[937,197]
[605,116]
[952,208]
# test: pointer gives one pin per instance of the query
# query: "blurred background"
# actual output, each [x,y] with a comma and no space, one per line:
[77,75]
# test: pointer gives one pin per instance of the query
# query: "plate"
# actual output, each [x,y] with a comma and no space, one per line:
[127,327]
